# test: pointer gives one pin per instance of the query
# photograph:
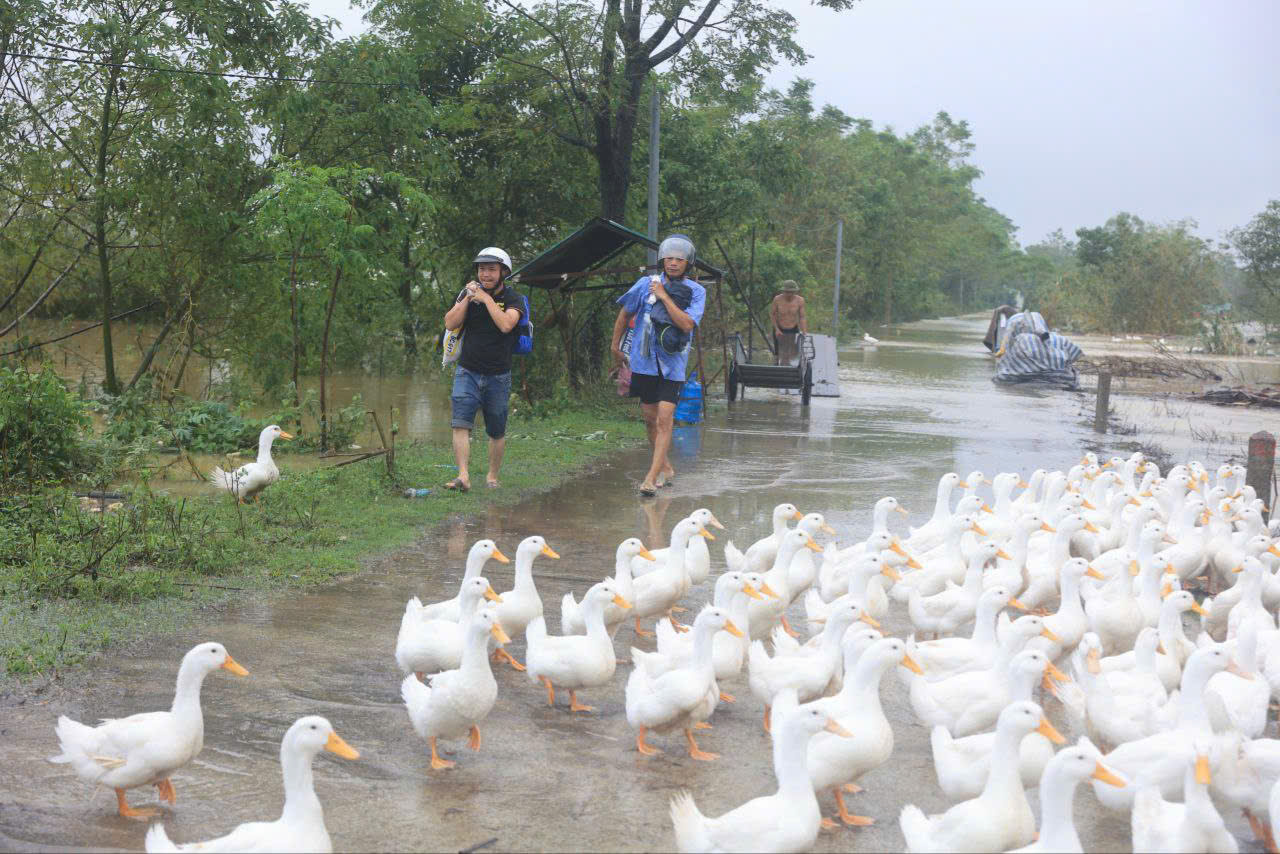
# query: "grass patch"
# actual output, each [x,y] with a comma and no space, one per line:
[75,582]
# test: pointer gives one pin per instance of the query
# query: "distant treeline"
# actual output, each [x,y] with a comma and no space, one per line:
[295,202]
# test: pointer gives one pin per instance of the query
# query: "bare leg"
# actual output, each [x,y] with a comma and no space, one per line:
[853,788]
[575,706]
[462,453]
[644,748]
[676,624]
[786,627]
[497,447]
[664,421]
[695,752]
[438,764]
[129,812]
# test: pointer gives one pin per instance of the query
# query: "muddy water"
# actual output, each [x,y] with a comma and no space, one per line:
[919,405]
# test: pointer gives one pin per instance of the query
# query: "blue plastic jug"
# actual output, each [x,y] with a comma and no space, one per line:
[689,407]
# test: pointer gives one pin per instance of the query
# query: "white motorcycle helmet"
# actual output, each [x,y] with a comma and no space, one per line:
[677,246]
[494,255]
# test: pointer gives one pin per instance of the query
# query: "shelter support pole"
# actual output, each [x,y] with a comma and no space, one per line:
[1103,403]
[653,170]
[724,339]
[1261,466]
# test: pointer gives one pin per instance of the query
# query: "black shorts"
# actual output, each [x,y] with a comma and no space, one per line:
[651,389]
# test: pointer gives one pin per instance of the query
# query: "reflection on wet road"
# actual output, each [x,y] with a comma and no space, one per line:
[912,409]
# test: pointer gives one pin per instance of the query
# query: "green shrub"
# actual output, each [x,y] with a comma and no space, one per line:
[42,425]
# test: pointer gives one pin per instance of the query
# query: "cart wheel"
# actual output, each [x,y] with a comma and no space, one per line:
[806,390]
[733,382]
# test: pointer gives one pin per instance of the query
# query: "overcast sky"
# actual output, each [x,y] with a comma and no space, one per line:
[1079,108]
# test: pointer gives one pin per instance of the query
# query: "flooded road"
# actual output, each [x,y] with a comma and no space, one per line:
[919,405]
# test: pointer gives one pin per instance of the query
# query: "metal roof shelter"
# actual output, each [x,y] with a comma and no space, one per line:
[585,252]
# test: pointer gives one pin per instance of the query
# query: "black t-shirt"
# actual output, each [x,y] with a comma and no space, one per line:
[485,348]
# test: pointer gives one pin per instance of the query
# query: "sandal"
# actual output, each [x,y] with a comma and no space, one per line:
[458,484]
[492,484]
[648,491]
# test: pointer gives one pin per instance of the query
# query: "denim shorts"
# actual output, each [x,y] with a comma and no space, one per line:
[490,393]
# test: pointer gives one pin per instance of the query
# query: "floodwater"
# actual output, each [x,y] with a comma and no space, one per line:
[919,405]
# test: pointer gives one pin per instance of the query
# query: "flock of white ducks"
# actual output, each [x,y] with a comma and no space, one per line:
[1170,713]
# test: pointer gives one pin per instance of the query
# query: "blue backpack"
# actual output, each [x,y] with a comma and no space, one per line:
[524,339]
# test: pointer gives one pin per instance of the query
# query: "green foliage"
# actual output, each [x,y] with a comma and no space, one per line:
[1258,246]
[42,425]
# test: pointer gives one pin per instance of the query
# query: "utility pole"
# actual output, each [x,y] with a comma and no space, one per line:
[653,171]
[835,310]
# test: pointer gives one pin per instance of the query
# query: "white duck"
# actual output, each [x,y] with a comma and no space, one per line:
[803,571]
[948,656]
[834,764]
[575,661]
[429,646]
[1114,613]
[766,614]
[697,556]
[1068,768]
[1157,759]
[969,702]
[1044,569]
[1012,573]
[947,563]
[678,699]
[933,532]
[760,554]
[1176,647]
[250,479]
[879,525]
[859,575]
[300,827]
[479,554]
[1243,695]
[1124,705]
[998,819]
[1068,622]
[733,592]
[786,821]
[1195,825]
[1250,607]
[519,605]
[948,610]
[630,551]
[808,672]
[837,581]
[658,592]
[962,764]
[455,701]
[146,748]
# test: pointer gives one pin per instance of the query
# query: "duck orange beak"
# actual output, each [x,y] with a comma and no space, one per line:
[1048,731]
[1058,675]
[549,552]
[1003,555]
[892,573]
[233,666]
[1094,661]
[1100,772]
[752,592]
[646,554]
[977,529]
[1016,604]
[1091,528]
[1093,573]
[909,663]
[827,529]
[500,557]
[813,547]
[732,629]
[1045,526]
[620,601]
[870,621]
[1047,632]
[901,510]
[798,515]
[703,532]
[497,632]
[284,435]
[834,727]
[492,595]
[768,591]
[1199,609]
[1203,775]
[335,744]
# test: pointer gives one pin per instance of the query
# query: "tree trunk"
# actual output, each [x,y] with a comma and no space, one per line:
[152,350]
[615,138]
[293,317]
[109,382]
[407,332]
[888,301]
[324,360]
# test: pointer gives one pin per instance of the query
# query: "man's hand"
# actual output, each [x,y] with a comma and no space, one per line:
[619,358]
[656,288]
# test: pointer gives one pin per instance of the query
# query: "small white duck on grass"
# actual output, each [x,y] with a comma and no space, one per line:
[575,661]
[788,820]
[300,827]
[250,479]
[455,701]
[145,749]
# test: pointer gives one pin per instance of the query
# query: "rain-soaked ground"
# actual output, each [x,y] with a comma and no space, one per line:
[910,410]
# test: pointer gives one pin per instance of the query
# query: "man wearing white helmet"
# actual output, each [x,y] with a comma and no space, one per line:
[488,313]
[666,309]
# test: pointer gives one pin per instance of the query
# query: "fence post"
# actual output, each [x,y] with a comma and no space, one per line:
[1103,406]
[1262,460]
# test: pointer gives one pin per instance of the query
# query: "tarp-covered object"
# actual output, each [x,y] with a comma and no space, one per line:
[1031,352]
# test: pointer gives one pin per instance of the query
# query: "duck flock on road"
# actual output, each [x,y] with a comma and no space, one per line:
[1144,605]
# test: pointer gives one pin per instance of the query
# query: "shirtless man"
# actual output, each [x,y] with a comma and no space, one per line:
[787,313]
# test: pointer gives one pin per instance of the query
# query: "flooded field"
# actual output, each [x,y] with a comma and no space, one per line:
[919,405]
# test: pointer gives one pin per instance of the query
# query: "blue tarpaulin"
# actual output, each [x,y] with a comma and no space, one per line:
[1031,352]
